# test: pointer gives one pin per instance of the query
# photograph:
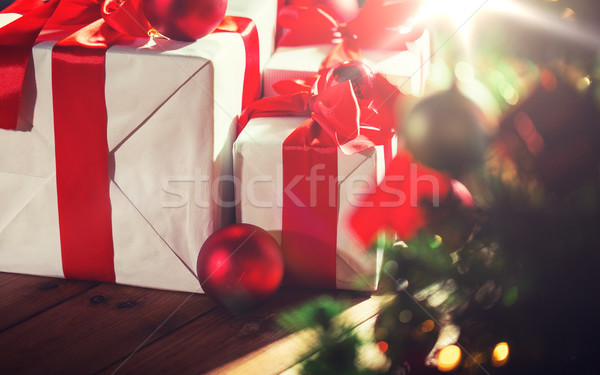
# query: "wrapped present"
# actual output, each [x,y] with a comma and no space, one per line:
[302,162]
[112,170]
[380,35]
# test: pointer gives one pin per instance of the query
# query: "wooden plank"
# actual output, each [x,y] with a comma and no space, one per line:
[91,331]
[25,296]
[218,338]
[284,354]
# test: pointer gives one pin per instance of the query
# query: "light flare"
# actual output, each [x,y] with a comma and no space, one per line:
[460,13]
[449,358]
[500,354]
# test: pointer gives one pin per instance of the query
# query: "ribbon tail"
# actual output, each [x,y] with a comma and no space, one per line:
[310,207]
[81,149]
[252,80]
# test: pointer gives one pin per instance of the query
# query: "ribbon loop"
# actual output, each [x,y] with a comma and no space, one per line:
[354,125]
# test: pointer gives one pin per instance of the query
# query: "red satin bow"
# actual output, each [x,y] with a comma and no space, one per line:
[377,26]
[353,124]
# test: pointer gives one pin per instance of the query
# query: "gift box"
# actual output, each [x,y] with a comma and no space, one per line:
[259,170]
[407,69]
[404,61]
[170,109]
[304,161]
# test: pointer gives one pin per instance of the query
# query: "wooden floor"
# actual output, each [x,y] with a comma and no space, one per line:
[54,326]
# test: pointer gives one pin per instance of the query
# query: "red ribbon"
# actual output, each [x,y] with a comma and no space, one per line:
[376,27]
[338,120]
[247,29]
[80,119]
[81,149]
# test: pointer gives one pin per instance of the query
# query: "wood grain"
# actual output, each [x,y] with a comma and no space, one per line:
[219,338]
[53,326]
[95,329]
[26,296]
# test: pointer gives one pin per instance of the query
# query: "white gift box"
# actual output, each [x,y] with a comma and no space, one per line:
[406,69]
[171,114]
[258,168]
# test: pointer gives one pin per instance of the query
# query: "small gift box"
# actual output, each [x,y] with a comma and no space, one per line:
[303,161]
[380,35]
[116,176]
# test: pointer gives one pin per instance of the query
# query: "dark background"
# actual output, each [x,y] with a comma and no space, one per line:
[5,3]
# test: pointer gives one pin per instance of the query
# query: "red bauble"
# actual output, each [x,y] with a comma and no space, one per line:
[185,20]
[358,73]
[240,266]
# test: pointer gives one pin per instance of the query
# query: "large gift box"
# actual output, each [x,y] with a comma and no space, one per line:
[303,163]
[171,109]
[381,36]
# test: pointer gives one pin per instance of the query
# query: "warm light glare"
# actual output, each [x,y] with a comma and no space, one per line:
[459,11]
[500,354]
[449,358]
[583,83]
[464,72]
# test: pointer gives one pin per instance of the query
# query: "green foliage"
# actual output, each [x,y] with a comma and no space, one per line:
[338,344]
[317,313]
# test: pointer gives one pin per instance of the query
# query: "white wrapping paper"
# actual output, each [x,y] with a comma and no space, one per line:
[257,154]
[171,109]
[406,69]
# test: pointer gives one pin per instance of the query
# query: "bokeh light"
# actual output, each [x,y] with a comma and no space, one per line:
[500,354]
[449,358]
[464,72]
[382,346]
[427,326]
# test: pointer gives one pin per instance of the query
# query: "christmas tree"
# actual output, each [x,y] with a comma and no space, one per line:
[505,282]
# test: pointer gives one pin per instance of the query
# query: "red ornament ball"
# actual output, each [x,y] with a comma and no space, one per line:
[240,266]
[185,20]
[358,73]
